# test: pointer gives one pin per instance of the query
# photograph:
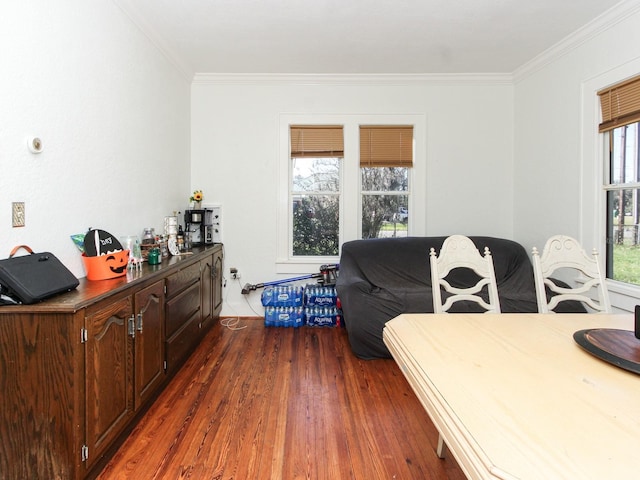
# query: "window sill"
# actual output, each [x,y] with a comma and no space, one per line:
[305,265]
[623,296]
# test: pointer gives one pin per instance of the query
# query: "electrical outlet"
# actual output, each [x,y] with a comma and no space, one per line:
[17,214]
[235,274]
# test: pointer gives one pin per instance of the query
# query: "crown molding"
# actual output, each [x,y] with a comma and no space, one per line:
[604,22]
[352,79]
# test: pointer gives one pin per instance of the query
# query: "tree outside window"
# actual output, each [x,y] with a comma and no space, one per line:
[316,206]
[385,198]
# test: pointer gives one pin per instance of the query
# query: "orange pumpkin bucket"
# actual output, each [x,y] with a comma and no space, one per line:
[104,267]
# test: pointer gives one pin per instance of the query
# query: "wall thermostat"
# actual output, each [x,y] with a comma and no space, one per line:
[34,144]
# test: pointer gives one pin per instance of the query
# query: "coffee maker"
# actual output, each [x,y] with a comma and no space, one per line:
[198,226]
[209,226]
[193,226]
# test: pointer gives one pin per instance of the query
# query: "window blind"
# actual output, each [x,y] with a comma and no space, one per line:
[620,104]
[317,141]
[386,146]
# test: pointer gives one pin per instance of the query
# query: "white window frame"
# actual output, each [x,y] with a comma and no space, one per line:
[350,194]
[594,164]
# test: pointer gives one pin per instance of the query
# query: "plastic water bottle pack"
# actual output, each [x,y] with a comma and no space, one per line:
[295,305]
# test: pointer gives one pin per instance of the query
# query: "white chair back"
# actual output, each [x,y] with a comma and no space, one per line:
[563,252]
[459,251]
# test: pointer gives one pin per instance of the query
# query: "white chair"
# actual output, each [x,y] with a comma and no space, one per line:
[459,251]
[563,256]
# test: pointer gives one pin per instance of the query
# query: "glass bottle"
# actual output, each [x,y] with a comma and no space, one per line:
[149,236]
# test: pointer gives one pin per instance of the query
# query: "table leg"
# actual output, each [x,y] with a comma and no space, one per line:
[441,450]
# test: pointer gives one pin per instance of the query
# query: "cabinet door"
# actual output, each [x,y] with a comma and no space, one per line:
[41,426]
[207,271]
[109,373]
[217,283]
[149,341]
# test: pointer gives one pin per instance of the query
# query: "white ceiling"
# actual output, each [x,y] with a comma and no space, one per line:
[359,36]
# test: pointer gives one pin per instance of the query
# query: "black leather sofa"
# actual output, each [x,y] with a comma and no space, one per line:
[384,277]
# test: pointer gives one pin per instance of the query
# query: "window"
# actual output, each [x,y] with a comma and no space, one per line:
[316,157]
[620,126]
[623,205]
[327,192]
[386,154]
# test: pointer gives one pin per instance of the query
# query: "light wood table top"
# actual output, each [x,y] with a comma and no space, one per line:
[514,397]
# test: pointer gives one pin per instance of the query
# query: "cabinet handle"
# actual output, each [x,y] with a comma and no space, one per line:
[132,326]
[139,325]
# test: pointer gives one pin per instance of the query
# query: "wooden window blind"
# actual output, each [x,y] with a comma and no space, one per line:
[317,141]
[386,146]
[620,104]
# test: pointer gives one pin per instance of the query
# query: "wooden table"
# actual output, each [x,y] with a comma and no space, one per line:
[514,397]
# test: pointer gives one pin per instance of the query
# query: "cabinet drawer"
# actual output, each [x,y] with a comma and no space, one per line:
[181,344]
[182,308]
[182,279]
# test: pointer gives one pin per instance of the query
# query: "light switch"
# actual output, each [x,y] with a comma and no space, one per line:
[18,214]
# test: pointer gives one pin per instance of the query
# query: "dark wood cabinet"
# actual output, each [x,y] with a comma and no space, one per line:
[124,362]
[41,394]
[78,369]
[109,374]
[206,281]
[216,294]
[211,280]
[183,313]
[149,342]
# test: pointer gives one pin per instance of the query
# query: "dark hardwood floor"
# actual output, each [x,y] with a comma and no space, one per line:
[281,403]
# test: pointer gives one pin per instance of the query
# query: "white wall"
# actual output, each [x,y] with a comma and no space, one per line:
[558,170]
[549,134]
[113,114]
[235,148]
